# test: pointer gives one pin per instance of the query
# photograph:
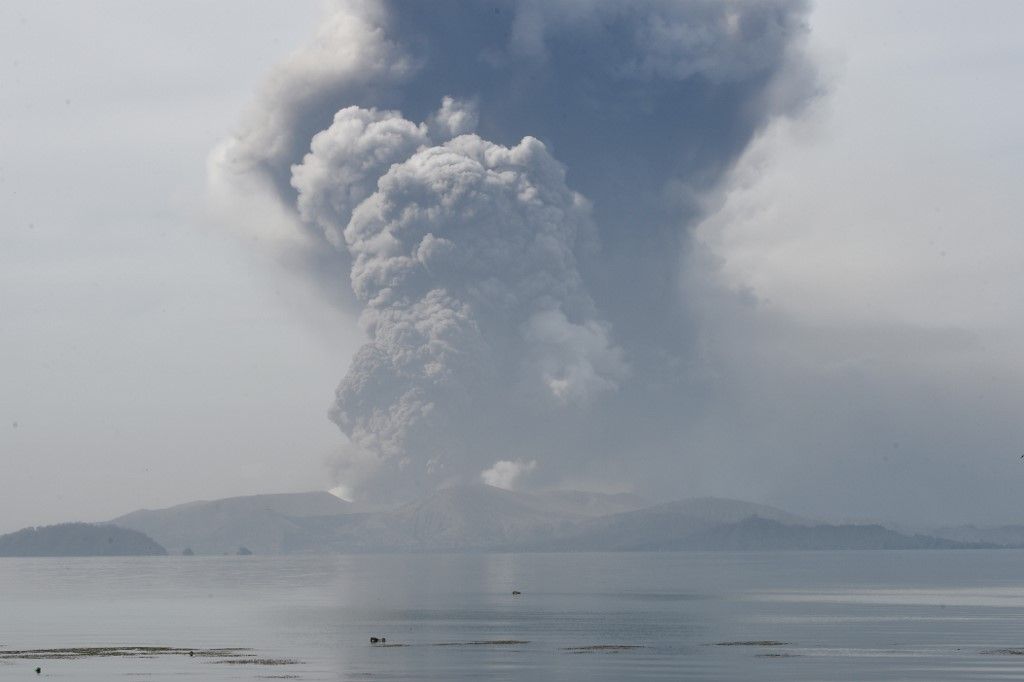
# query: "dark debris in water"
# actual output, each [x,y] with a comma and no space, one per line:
[755,642]
[606,648]
[776,654]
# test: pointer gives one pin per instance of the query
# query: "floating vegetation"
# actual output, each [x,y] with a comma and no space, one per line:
[756,642]
[776,654]
[116,651]
[228,655]
[476,642]
[218,653]
[607,648]
[485,642]
[1003,652]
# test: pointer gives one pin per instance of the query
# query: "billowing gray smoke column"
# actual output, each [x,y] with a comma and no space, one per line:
[502,190]
[463,256]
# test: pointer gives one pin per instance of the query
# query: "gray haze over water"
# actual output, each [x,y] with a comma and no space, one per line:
[768,251]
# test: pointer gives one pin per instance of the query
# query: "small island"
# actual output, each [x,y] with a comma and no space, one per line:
[78,539]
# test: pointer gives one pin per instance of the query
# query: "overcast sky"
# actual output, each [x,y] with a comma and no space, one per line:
[854,291]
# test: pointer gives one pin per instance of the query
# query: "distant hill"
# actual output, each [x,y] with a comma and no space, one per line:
[664,526]
[478,517]
[711,524]
[262,523]
[78,539]
[1009,536]
[724,510]
[756,533]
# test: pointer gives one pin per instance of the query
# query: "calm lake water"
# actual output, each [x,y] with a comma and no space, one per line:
[925,615]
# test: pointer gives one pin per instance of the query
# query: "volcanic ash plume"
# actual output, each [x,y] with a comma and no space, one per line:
[412,146]
[463,255]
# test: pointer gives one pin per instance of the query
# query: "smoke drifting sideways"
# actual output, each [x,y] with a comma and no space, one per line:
[505,191]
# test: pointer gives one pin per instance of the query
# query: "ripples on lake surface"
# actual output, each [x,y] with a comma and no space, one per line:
[884,615]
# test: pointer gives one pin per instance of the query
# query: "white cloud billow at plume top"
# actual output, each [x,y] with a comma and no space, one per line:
[346,161]
[506,473]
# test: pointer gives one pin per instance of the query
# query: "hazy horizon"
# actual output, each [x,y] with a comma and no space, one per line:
[765,251]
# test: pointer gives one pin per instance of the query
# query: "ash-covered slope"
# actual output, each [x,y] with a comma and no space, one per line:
[478,517]
[78,539]
[589,504]
[265,524]
[463,517]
